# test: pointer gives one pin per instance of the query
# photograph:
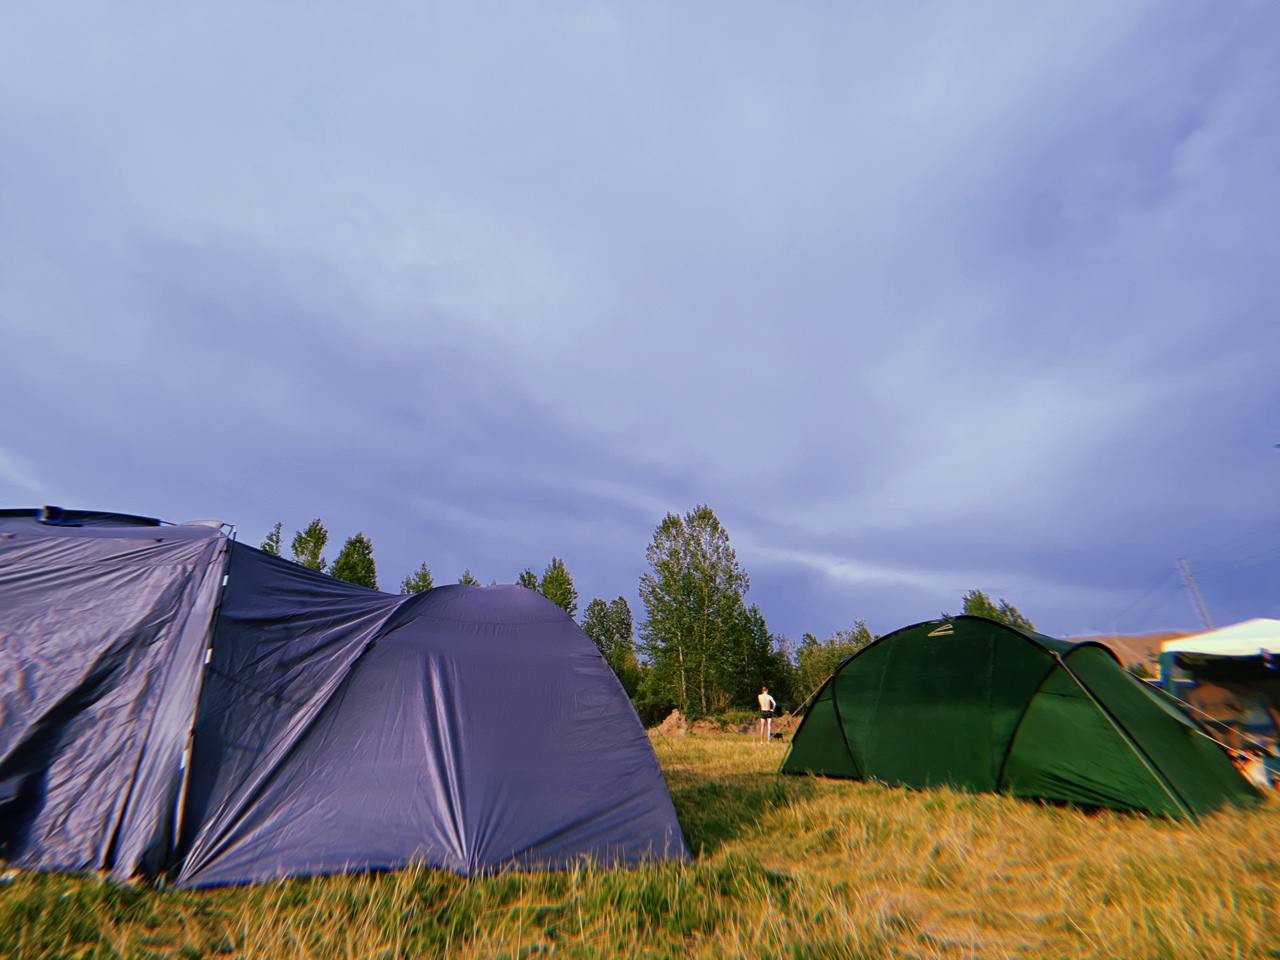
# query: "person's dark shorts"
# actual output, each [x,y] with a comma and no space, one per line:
[766,714]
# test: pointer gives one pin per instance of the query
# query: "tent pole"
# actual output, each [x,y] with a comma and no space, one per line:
[188,748]
[1190,583]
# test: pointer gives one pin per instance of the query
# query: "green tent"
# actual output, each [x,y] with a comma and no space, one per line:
[982,706]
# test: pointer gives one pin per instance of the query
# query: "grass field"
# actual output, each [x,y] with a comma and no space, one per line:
[787,867]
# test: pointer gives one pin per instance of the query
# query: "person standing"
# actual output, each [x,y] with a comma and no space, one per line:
[767,706]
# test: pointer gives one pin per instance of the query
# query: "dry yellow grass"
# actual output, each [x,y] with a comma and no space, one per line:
[942,873]
[789,867]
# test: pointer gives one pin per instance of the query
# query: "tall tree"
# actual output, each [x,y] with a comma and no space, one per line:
[978,604]
[693,599]
[271,545]
[355,562]
[557,586]
[610,627]
[609,624]
[528,579]
[817,659]
[308,545]
[419,581]
[469,577]
[750,658]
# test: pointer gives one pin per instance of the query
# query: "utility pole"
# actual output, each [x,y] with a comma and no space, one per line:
[1197,601]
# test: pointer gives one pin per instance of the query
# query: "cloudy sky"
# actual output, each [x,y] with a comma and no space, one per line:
[917,296]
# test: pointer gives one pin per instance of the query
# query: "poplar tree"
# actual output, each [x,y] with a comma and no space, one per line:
[308,545]
[271,545]
[817,659]
[611,629]
[609,624]
[693,600]
[978,604]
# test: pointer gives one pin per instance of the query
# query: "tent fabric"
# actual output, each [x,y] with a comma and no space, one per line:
[1252,638]
[174,703]
[101,640]
[494,731]
[982,706]
[286,638]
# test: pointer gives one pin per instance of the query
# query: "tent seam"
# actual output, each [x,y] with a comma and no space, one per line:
[875,707]
[187,869]
[814,697]
[1008,751]
[265,694]
[835,705]
[1133,744]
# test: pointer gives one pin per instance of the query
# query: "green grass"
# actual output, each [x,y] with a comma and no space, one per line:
[787,867]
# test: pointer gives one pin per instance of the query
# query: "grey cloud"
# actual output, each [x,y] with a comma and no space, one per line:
[978,299]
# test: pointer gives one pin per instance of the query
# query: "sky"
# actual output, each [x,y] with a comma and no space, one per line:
[918,297]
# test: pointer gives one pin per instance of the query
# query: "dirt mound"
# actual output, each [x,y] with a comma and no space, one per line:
[678,725]
[783,726]
[674,726]
[786,724]
[1143,649]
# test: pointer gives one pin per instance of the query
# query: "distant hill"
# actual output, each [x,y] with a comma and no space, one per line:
[1143,648]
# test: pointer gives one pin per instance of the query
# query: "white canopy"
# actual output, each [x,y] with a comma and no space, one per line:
[1248,639]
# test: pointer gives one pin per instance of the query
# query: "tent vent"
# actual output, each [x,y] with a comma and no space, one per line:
[56,516]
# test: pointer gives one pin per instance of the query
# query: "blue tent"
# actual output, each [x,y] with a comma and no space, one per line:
[174,703]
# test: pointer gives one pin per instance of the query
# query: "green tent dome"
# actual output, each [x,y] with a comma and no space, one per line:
[983,706]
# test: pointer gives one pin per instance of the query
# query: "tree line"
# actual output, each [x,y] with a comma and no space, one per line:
[701,648]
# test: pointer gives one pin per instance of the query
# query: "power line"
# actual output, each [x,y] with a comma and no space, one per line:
[1270,533]
[1163,582]
[1218,571]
